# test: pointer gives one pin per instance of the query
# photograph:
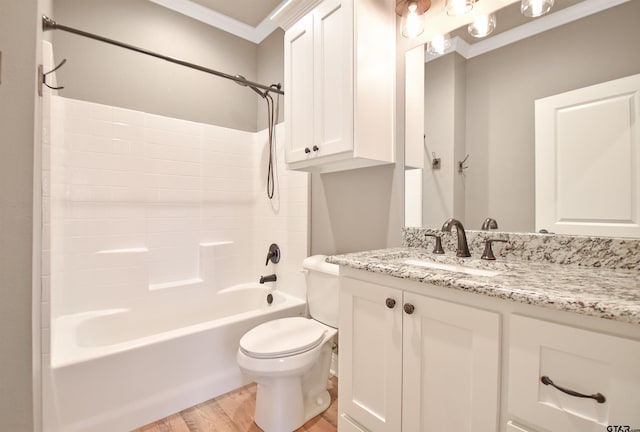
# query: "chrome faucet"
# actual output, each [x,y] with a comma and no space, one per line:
[463,247]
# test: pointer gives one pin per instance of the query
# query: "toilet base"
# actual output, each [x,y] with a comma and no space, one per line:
[281,407]
[316,406]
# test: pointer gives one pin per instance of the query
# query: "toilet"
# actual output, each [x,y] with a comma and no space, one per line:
[289,358]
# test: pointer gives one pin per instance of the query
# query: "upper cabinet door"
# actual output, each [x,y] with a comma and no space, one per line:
[299,107]
[588,160]
[333,23]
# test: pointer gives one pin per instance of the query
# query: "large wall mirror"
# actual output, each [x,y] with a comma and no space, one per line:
[477,142]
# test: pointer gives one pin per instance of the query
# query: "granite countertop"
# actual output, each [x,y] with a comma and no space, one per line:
[605,293]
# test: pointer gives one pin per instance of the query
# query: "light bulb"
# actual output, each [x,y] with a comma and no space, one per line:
[413,22]
[439,44]
[482,26]
[535,8]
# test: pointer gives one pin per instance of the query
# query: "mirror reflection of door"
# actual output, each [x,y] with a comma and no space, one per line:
[588,160]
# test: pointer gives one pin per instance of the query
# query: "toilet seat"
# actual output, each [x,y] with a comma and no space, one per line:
[282,338]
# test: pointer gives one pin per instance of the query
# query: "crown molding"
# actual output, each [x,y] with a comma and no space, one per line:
[220,21]
[539,25]
[290,11]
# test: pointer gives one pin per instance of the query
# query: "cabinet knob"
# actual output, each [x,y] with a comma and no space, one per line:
[391,303]
[409,308]
[315,148]
[306,150]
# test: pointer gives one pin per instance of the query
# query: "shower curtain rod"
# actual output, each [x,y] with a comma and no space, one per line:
[49,24]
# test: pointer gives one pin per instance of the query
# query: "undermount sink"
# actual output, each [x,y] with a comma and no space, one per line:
[451,267]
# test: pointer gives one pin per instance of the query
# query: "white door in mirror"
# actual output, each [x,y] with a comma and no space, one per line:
[588,160]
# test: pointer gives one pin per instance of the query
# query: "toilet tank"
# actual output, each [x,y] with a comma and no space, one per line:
[322,289]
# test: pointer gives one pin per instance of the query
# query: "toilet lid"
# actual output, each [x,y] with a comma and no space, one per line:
[282,337]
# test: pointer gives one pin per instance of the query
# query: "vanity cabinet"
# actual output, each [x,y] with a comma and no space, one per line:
[414,363]
[416,357]
[339,85]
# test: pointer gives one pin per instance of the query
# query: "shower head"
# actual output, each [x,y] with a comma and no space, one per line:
[255,89]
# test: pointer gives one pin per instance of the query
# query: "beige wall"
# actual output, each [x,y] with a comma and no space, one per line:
[444,100]
[271,71]
[19,142]
[356,210]
[110,75]
[502,86]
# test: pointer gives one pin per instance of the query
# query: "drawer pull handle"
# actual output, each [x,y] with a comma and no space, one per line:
[409,308]
[599,397]
[391,303]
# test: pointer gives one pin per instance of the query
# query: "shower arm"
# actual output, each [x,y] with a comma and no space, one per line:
[49,24]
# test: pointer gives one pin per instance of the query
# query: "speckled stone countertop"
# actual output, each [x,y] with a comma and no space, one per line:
[610,293]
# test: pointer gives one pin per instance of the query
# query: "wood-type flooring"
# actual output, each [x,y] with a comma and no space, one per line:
[233,412]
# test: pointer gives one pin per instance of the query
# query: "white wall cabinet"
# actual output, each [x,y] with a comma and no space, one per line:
[339,84]
[414,363]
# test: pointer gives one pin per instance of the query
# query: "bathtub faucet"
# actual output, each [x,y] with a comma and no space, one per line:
[269,278]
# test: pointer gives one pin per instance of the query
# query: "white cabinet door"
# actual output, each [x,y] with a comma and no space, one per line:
[370,356]
[588,160]
[319,82]
[451,364]
[333,93]
[299,107]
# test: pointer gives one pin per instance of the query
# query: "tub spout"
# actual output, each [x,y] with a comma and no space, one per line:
[268,278]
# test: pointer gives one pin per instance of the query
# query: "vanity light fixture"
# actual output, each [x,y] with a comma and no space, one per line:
[412,13]
[439,44]
[459,7]
[482,26]
[535,8]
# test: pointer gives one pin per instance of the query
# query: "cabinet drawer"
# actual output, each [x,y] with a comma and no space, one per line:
[584,361]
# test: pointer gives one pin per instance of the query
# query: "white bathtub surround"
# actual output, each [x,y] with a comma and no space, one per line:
[153,190]
[214,260]
[151,219]
[283,219]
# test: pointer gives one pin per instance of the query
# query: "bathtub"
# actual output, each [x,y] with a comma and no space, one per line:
[117,369]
